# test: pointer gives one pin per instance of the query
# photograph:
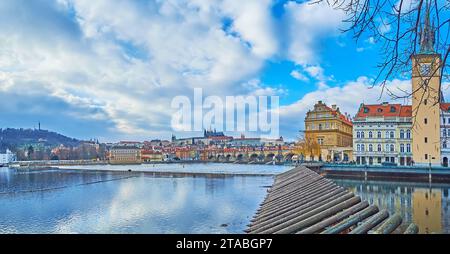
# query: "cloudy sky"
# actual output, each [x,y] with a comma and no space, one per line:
[110,69]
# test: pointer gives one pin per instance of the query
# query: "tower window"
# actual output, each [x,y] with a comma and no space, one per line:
[425,102]
[426,156]
[425,120]
[426,140]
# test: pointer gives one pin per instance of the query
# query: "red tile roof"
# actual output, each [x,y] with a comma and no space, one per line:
[445,107]
[341,116]
[384,110]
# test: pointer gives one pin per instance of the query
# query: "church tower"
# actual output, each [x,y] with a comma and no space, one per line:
[426,98]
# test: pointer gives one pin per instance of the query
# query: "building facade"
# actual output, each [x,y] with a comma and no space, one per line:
[331,129]
[125,154]
[7,157]
[382,133]
[445,133]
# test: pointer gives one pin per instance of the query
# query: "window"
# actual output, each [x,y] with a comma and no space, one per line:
[444,144]
[402,148]
[426,156]
[362,147]
[379,134]
[362,134]
[370,148]
[370,134]
[408,148]
[392,109]
[426,140]
[327,125]
[444,132]
[358,148]
[448,132]
[387,148]
[425,102]
[387,134]
[392,148]
[366,110]
[379,148]
[391,134]
[402,134]
[408,134]
[320,126]
[425,121]
[358,134]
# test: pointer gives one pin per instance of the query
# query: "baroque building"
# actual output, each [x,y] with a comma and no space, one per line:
[332,130]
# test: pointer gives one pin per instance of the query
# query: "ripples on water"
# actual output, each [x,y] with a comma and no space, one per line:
[75,201]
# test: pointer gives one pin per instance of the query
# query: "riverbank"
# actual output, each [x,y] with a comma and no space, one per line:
[418,174]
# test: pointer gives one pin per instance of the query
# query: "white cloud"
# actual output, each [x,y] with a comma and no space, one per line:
[308,24]
[298,75]
[130,58]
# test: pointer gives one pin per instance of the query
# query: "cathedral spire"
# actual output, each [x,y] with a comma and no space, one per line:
[427,33]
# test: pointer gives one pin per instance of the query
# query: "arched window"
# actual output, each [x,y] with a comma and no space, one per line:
[358,148]
[402,148]
[379,134]
[387,134]
[362,134]
[402,134]
[387,148]
[358,134]
[370,148]
[379,148]
[370,134]
[362,147]
[392,148]
[408,148]
[391,134]
[408,134]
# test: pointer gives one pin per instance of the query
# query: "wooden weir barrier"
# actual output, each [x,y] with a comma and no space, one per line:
[303,202]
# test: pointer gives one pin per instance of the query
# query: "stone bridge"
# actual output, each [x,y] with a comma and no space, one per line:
[247,155]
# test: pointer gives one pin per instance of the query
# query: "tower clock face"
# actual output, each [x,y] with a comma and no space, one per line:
[425,69]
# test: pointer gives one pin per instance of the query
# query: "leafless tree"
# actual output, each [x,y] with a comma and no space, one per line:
[397,26]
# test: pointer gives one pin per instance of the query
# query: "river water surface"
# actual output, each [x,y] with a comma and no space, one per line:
[113,200]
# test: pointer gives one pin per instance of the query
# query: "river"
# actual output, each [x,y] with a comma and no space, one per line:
[222,199]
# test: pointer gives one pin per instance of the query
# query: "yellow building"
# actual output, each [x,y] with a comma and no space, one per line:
[426,99]
[125,154]
[332,130]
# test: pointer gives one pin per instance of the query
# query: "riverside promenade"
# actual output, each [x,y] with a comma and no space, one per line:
[303,202]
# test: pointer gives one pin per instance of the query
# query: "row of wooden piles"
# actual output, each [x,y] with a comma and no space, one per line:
[303,202]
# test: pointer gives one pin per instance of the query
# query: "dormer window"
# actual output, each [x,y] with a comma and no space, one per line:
[380,110]
[366,110]
[392,109]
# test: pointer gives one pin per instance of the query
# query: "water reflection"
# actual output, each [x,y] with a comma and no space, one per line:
[73,201]
[425,205]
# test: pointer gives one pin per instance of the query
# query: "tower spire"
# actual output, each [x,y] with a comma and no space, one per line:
[427,32]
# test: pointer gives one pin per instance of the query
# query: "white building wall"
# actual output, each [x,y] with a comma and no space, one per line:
[366,148]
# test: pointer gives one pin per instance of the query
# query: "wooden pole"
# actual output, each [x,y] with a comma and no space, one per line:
[334,219]
[411,229]
[352,220]
[389,225]
[370,223]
